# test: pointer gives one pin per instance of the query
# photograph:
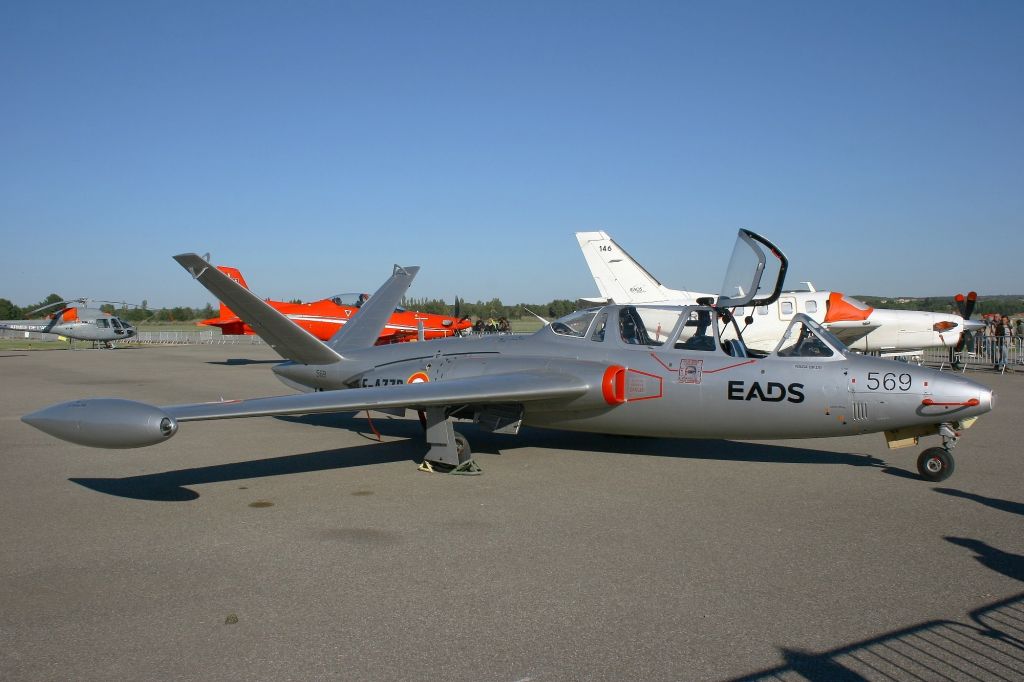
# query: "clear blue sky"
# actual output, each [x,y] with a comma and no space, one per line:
[313,144]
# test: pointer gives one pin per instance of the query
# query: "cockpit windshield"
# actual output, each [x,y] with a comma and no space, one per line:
[574,324]
[354,301]
[805,338]
[350,300]
[856,303]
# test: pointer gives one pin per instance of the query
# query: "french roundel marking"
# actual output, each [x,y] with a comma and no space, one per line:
[418,378]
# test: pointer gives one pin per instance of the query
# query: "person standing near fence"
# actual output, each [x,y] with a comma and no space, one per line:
[1003,336]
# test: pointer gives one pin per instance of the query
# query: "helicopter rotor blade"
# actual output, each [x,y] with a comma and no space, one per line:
[54,305]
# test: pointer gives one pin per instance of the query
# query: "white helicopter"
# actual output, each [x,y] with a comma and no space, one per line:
[76,323]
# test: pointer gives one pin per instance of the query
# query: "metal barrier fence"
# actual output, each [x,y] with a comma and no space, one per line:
[197,337]
[20,335]
[974,356]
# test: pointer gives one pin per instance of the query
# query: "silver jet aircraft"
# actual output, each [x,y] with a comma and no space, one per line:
[75,322]
[596,370]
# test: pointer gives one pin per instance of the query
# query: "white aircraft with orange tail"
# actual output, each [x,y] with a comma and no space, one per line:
[325,317]
[621,279]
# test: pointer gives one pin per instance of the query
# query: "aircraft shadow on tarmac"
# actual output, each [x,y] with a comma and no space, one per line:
[994,502]
[232,362]
[989,647]
[690,448]
[171,486]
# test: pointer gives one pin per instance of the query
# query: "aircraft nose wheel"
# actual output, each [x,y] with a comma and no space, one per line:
[935,464]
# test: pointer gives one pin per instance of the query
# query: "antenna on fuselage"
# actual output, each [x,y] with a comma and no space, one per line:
[542,319]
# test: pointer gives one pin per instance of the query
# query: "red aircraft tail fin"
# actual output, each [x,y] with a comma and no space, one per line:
[236,276]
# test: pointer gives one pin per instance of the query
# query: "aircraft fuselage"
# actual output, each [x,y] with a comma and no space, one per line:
[658,391]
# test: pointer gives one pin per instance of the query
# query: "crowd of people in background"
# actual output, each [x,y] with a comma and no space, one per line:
[492,326]
[996,339]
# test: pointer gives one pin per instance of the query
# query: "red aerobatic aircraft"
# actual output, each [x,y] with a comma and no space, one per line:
[324,318]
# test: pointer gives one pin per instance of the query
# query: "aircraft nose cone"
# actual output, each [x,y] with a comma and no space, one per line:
[973,325]
[989,399]
[36,419]
[958,398]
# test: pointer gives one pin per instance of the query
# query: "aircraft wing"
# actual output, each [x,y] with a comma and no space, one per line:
[117,423]
[852,332]
[493,388]
[290,340]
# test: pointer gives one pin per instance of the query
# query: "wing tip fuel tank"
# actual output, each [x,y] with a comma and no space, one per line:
[105,423]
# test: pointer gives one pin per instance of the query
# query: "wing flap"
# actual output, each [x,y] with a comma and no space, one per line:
[494,388]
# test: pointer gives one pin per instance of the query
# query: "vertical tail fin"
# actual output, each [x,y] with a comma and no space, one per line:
[365,327]
[618,276]
[236,276]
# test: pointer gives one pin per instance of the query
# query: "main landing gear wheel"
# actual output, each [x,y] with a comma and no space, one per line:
[462,447]
[449,450]
[467,465]
[935,464]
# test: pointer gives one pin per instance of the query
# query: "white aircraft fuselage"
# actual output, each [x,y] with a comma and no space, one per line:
[621,279]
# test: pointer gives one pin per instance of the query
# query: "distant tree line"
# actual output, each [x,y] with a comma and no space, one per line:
[494,308]
[999,304]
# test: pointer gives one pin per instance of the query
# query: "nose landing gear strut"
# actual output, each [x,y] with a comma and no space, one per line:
[937,464]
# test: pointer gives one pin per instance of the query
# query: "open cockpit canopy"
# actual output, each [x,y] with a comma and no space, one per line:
[756,273]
